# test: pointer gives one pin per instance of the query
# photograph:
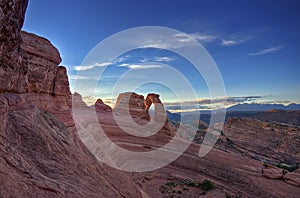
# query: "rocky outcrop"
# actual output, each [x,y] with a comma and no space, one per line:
[151,99]
[13,67]
[160,113]
[41,153]
[40,157]
[293,178]
[272,172]
[44,75]
[272,142]
[132,104]
[29,63]
[44,83]
[279,116]
[100,106]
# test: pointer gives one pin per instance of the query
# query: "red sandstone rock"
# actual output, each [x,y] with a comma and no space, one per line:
[100,106]
[132,103]
[138,107]
[13,67]
[61,83]
[41,155]
[292,178]
[265,140]
[272,172]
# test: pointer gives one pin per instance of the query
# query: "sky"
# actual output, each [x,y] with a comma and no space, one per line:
[254,44]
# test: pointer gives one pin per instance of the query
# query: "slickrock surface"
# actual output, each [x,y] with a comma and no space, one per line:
[280,116]
[230,171]
[41,154]
[272,172]
[266,141]
[293,178]
[40,157]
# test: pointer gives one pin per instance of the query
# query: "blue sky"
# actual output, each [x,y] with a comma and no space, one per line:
[255,44]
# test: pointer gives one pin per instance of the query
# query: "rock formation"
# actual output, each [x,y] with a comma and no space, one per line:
[275,143]
[293,178]
[132,103]
[272,172]
[151,99]
[160,113]
[13,67]
[41,153]
[29,65]
[138,107]
[100,106]
[40,157]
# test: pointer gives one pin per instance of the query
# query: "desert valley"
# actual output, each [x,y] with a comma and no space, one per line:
[43,153]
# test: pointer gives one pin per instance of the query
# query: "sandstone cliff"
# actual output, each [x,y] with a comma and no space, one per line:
[41,154]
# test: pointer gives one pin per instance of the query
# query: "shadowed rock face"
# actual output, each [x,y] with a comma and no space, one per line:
[44,75]
[12,66]
[29,63]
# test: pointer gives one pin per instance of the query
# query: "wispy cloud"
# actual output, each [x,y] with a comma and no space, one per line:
[163,59]
[180,40]
[143,66]
[103,64]
[228,42]
[233,42]
[139,66]
[266,51]
[197,36]
[87,67]
[124,65]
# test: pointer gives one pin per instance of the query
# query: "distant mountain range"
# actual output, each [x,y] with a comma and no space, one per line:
[263,107]
[279,113]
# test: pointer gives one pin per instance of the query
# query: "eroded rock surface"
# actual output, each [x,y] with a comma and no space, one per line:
[100,106]
[293,178]
[40,157]
[41,153]
[13,67]
[132,104]
[275,143]
[272,172]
